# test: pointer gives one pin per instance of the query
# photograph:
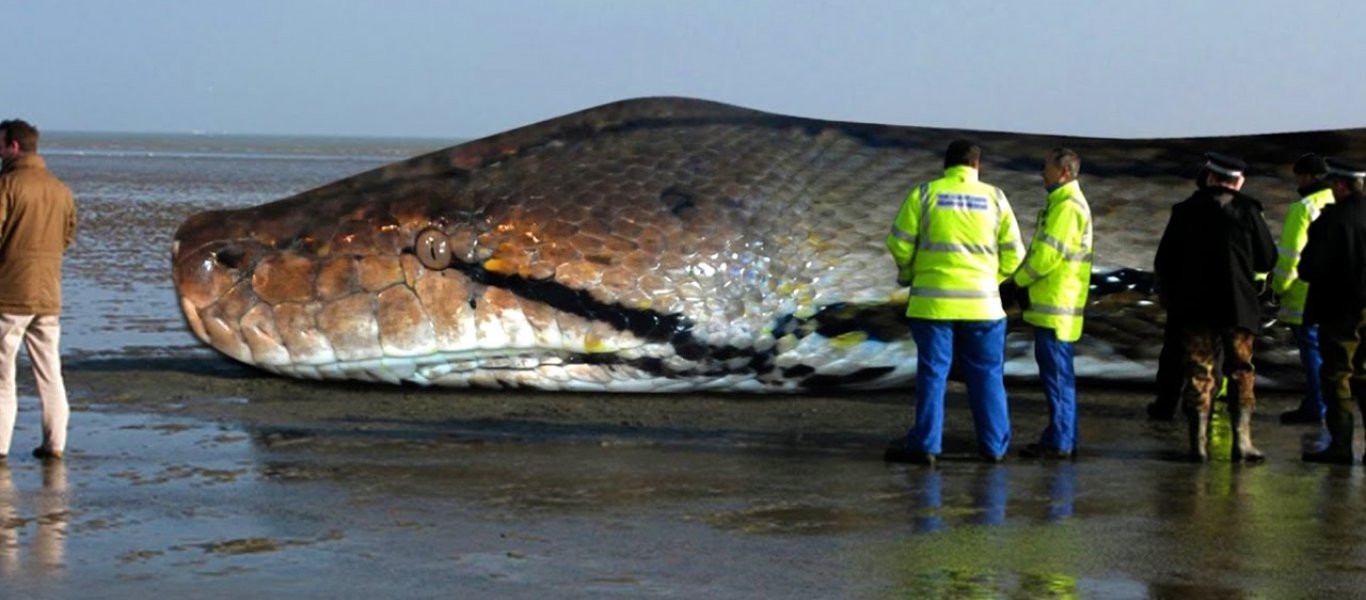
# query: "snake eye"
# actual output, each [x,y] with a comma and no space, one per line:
[433,249]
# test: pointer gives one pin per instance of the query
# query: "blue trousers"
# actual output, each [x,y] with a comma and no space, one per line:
[1059,387]
[1307,338]
[980,349]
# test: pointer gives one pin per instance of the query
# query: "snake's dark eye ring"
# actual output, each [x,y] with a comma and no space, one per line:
[433,249]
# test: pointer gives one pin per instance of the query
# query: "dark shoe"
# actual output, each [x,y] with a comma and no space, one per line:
[1340,425]
[899,453]
[1301,416]
[1157,412]
[1045,452]
[46,453]
[1329,455]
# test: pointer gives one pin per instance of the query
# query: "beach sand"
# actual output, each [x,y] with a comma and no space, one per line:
[196,476]
[189,475]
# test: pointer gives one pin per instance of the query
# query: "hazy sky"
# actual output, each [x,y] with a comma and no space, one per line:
[470,68]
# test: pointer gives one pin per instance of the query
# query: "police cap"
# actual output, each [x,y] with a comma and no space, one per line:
[1224,164]
[1345,169]
[1310,164]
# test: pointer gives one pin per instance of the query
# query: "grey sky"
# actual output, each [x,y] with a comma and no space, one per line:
[470,68]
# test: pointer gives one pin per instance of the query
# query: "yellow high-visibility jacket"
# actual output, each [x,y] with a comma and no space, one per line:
[1057,270]
[954,241]
[1285,279]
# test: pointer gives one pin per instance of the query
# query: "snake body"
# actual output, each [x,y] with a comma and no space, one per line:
[657,244]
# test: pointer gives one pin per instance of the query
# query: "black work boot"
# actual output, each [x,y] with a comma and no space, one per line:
[1339,448]
[1361,402]
[898,452]
[1199,435]
[1243,450]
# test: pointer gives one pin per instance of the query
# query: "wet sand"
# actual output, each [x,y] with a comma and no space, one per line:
[190,476]
[193,476]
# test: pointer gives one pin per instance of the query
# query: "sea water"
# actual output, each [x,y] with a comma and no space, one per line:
[132,192]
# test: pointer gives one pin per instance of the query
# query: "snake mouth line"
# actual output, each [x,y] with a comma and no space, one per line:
[879,322]
[667,239]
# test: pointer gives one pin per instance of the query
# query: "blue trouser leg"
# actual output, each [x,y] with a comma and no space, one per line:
[1060,388]
[934,356]
[981,350]
[1307,338]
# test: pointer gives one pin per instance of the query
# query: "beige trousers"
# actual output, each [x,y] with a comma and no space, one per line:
[40,335]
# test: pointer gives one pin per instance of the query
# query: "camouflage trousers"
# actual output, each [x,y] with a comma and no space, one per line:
[1230,351]
[1343,373]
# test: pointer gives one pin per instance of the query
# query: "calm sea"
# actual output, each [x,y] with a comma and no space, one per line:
[133,191]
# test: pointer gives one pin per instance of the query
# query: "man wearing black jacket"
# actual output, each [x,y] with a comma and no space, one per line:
[1215,242]
[1334,264]
[1171,362]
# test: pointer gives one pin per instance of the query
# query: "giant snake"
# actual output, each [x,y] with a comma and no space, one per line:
[664,244]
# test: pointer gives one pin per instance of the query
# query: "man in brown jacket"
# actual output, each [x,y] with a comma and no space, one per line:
[37,224]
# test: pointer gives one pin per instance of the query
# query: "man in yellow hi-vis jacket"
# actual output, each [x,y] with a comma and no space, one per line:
[1057,273]
[1314,194]
[954,241]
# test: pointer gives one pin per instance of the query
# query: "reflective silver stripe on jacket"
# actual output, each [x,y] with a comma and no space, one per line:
[957,248]
[1284,273]
[1291,312]
[1015,246]
[902,235]
[1309,206]
[1287,252]
[924,223]
[1031,272]
[1057,310]
[998,195]
[924,210]
[1057,244]
[938,293]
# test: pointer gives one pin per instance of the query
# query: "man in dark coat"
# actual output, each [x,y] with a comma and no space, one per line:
[1171,362]
[1215,243]
[1334,264]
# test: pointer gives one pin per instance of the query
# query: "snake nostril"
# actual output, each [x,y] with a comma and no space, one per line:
[229,257]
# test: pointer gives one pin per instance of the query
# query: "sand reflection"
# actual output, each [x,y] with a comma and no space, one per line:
[9,524]
[49,545]
[47,525]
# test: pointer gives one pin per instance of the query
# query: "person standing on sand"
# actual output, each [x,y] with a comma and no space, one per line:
[1292,291]
[1214,244]
[1057,275]
[1334,264]
[1171,367]
[954,241]
[37,225]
